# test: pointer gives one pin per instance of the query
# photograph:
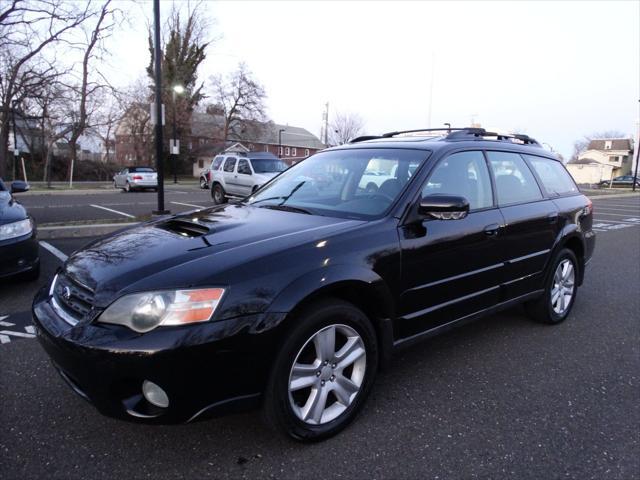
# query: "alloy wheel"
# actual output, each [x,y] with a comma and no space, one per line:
[563,287]
[327,374]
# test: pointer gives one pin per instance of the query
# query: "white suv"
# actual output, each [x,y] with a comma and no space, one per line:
[240,174]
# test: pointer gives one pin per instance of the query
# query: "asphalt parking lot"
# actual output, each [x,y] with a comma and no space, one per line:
[501,398]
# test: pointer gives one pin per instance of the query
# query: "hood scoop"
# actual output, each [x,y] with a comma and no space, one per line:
[184,228]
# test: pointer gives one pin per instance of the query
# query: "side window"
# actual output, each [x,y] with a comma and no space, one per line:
[243,167]
[555,179]
[229,164]
[514,181]
[216,163]
[464,174]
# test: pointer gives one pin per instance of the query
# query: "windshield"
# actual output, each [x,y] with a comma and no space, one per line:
[267,165]
[360,184]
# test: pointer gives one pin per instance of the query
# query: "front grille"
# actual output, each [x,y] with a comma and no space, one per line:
[75,299]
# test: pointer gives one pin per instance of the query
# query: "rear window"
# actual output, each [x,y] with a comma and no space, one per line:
[141,170]
[514,181]
[555,179]
[215,165]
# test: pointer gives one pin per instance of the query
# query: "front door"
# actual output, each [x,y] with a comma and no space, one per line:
[451,268]
[229,175]
[244,177]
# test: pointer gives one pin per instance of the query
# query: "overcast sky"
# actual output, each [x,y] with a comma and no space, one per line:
[556,71]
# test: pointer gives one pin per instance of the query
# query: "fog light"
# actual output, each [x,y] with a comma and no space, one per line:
[154,394]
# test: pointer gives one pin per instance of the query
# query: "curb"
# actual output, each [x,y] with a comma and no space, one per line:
[76,231]
[613,195]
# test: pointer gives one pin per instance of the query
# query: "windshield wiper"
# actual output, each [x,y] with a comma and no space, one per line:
[287,208]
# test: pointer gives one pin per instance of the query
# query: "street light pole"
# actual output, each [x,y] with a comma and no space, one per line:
[175,145]
[158,102]
[16,152]
[280,142]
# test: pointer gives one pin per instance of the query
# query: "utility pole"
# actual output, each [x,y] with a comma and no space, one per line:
[158,109]
[326,123]
[16,152]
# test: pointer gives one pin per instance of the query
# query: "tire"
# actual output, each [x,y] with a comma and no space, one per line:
[127,187]
[547,309]
[217,194]
[292,412]
[203,183]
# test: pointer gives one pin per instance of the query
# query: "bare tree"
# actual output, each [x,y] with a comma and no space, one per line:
[344,127]
[240,99]
[135,122]
[27,29]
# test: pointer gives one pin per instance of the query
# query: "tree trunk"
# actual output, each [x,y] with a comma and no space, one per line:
[4,148]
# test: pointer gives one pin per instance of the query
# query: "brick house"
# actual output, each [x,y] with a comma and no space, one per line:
[205,140]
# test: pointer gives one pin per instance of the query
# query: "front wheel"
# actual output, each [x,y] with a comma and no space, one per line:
[323,372]
[560,290]
[127,187]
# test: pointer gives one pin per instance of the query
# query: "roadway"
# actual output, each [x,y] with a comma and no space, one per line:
[503,397]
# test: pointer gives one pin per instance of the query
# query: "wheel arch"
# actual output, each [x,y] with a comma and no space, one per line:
[359,286]
[570,237]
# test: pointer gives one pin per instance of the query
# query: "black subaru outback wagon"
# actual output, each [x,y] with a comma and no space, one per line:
[293,297]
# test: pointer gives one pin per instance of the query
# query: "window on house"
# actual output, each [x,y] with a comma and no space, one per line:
[200,163]
[293,152]
[607,145]
[287,152]
[281,151]
[613,159]
[306,152]
[266,148]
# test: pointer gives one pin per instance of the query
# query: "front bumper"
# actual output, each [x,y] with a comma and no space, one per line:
[206,369]
[19,255]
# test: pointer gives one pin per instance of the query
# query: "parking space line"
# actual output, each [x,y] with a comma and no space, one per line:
[614,214]
[188,205]
[113,211]
[54,250]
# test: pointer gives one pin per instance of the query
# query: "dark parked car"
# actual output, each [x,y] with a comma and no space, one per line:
[622,181]
[294,297]
[18,243]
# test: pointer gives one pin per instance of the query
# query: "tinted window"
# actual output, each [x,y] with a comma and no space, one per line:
[229,164]
[330,183]
[267,165]
[243,167]
[555,179]
[141,170]
[464,174]
[216,163]
[514,181]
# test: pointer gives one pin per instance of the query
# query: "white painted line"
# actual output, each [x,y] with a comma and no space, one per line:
[4,339]
[54,250]
[17,334]
[90,225]
[30,329]
[618,209]
[612,214]
[188,205]
[113,211]
[6,324]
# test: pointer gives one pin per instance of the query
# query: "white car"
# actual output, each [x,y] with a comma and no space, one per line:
[239,174]
[136,178]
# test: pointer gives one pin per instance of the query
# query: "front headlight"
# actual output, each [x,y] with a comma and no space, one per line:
[143,312]
[16,229]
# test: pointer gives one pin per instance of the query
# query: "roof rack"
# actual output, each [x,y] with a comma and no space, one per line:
[464,133]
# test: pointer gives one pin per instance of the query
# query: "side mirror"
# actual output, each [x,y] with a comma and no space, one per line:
[18,186]
[444,207]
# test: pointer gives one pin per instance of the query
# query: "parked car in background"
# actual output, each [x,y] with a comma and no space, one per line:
[239,174]
[18,243]
[292,298]
[136,178]
[622,181]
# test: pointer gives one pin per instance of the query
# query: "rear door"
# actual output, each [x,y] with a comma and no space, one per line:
[451,268]
[229,175]
[120,177]
[531,223]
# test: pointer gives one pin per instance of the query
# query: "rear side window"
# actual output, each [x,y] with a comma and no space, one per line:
[243,167]
[514,181]
[464,174]
[216,163]
[555,179]
[229,164]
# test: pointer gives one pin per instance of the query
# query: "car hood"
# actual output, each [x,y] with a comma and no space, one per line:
[192,249]
[263,177]
[10,210]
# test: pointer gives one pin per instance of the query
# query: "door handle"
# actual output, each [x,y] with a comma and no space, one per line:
[552,217]
[492,230]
